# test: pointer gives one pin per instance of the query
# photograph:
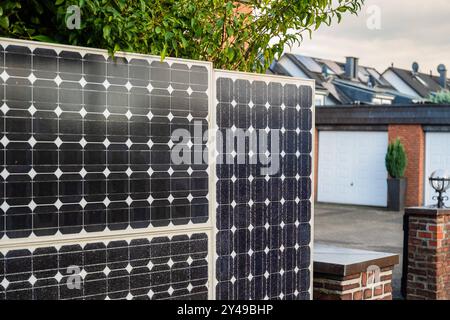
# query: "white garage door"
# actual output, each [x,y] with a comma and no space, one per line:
[352,168]
[437,156]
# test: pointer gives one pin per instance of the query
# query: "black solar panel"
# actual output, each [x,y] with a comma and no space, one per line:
[86,142]
[263,219]
[142,268]
[87,151]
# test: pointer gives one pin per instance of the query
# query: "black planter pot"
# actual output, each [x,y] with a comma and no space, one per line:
[396,194]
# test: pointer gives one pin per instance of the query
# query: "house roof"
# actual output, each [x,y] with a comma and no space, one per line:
[336,93]
[424,84]
[314,67]
[368,79]
[321,82]
[277,68]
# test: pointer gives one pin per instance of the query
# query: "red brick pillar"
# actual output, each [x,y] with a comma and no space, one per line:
[428,261]
[413,138]
[353,287]
[352,274]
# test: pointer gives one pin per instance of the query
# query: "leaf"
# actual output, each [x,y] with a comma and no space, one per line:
[310,19]
[230,53]
[164,52]
[43,38]
[180,28]
[106,31]
[318,23]
[184,42]
[4,22]
[168,35]
[230,31]
[229,7]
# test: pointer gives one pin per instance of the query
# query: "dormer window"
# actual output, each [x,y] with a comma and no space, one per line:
[380,100]
[319,100]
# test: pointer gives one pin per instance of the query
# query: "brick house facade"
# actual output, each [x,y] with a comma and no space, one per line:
[413,138]
[410,123]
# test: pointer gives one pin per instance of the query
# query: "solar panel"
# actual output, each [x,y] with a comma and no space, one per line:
[334,67]
[87,141]
[263,219]
[91,190]
[309,63]
[134,268]
[374,73]
[363,75]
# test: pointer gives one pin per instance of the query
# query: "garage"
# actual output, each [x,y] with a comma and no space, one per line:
[437,156]
[351,168]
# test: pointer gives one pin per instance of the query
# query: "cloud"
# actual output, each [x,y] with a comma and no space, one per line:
[411,30]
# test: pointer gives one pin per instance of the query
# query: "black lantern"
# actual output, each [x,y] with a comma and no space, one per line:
[440,181]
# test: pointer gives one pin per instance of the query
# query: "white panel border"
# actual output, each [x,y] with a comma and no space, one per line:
[85,50]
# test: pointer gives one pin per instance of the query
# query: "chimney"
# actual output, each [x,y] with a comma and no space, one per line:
[415,68]
[325,71]
[351,67]
[372,81]
[442,76]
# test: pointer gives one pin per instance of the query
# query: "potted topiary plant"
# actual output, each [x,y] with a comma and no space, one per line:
[396,162]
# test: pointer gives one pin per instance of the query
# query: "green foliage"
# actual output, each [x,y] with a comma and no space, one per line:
[441,97]
[396,159]
[209,30]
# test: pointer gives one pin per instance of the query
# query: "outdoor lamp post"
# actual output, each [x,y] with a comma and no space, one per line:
[440,181]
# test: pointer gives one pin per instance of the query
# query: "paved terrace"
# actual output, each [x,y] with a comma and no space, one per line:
[362,228]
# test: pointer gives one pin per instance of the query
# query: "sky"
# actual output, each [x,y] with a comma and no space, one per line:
[401,32]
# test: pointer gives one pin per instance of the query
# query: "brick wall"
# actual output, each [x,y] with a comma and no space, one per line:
[413,138]
[353,287]
[428,275]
